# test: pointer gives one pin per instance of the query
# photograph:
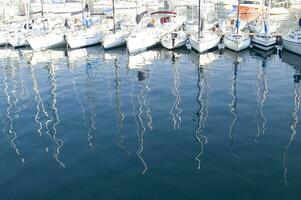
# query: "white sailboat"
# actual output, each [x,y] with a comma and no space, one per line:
[237,41]
[292,41]
[116,37]
[89,34]
[151,29]
[47,37]
[205,39]
[265,40]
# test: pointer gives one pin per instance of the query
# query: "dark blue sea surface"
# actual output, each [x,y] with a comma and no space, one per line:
[88,124]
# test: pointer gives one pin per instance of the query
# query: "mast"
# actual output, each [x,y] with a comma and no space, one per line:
[237,20]
[83,11]
[42,9]
[26,9]
[136,7]
[199,22]
[267,20]
[114,26]
[4,8]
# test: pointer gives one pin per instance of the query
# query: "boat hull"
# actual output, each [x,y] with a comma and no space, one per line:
[168,42]
[113,40]
[205,43]
[3,38]
[292,46]
[237,44]
[47,41]
[18,42]
[142,41]
[265,44]
[78,41]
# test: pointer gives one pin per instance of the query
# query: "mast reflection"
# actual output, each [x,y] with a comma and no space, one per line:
[293,60]
[141,110]
[121,115]
[175,111]
[54,119]
[261,93]
[41,111]
[144,114]
[10,90]
[76,59]
[201,113]
[233,104]
[91,106]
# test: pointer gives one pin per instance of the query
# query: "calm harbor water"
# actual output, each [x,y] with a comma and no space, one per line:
[89,124]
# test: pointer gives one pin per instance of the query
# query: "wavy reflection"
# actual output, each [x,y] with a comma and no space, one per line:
[91,101]
[82,107]
[201,114]
[175,111]
[12,111]
[261,93]
[293,127]
[39,104]
[121,115]
[54,120]
[233,106]
[142,113]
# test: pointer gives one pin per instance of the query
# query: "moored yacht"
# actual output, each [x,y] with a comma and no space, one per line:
[205,39]
[115,39]
[117,36]
[238,40]
[265,39]
[85,36]
[151,29]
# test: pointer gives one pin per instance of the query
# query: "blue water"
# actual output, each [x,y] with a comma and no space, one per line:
[89,124]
